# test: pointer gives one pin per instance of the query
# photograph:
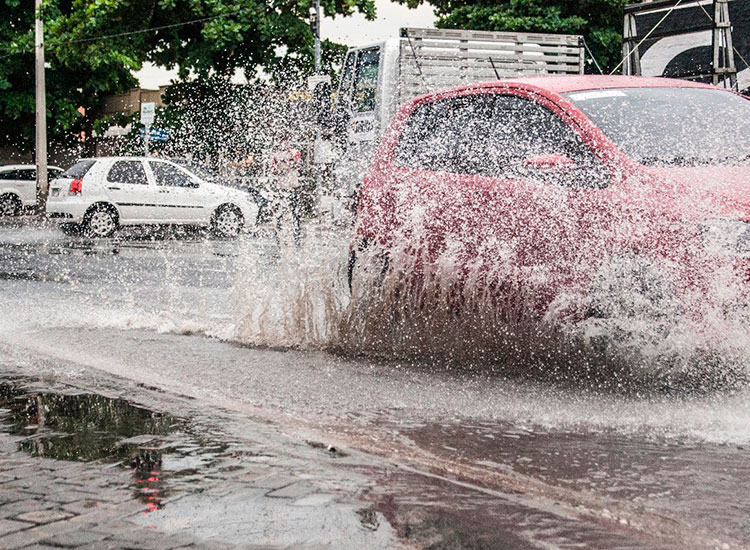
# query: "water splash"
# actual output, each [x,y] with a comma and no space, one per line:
[471,313]
[292,296]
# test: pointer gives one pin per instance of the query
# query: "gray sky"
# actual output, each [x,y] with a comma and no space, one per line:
[356,31]
[353,31]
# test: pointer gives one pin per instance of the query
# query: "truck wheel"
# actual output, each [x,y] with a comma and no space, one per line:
[100,221]
[9,205]
[373,273]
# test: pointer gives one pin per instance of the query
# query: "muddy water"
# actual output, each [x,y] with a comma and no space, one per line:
[673,464]
[635,479]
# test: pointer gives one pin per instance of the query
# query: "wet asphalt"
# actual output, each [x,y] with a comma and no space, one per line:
[429,456]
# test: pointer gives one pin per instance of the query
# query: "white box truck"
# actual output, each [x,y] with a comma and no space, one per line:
[378,78]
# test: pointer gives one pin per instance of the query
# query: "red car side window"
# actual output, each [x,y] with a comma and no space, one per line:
[488,135]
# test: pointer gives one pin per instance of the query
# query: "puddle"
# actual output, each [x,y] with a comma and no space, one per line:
[162,451]
[29,275]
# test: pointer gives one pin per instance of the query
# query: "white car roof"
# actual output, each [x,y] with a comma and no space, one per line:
[99,159]
[6,167]
[123,158]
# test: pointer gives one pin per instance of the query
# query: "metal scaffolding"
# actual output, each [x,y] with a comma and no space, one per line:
[723,70]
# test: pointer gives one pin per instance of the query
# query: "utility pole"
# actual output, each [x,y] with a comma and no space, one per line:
[42,185]
[317,36]
[723,68]
[316,143]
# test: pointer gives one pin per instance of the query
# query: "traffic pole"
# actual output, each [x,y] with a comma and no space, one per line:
[42,185]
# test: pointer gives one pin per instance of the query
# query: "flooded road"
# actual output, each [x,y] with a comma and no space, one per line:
[460,458]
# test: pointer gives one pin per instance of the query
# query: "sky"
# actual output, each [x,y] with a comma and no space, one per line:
[353,31]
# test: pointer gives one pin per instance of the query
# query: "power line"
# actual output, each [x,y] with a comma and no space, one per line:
[591,55]
[128,33]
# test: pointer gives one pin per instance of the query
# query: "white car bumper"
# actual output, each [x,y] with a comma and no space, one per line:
[69,210]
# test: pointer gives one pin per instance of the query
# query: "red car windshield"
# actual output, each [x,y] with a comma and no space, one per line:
[671,126]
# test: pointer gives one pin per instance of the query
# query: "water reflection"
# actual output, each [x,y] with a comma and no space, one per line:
[150,487]
[87,427]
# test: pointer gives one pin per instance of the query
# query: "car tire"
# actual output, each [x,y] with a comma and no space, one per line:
[630,287]
[70,229]
[10,205]
[100,221]
[632,302]
[350,268]
[227,222]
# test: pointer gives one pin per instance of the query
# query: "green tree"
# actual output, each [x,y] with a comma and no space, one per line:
[273,35]
[599,21]
[80,70]
[92,47]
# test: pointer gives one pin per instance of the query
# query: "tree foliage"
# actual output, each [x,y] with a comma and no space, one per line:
[93,46]
[599,21]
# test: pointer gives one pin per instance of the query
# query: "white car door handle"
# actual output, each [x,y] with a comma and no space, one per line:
[114,188]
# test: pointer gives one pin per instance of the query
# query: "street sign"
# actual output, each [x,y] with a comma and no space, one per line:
[147,113]
[155,134]
[148,110]
[314,80]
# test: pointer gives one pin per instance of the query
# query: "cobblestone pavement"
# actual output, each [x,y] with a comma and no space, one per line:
[53,504]
[198,487]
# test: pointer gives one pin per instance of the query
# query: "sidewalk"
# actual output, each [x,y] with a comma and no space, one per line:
[193,487]
[27,218]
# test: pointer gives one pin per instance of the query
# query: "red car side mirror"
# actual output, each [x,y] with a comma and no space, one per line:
[556,161]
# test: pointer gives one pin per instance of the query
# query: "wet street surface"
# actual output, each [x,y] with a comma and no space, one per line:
[132,415]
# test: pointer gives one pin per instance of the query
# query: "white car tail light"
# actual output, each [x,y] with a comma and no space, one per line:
[76,187]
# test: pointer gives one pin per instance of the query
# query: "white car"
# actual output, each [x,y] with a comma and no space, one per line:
[18,187]
[99,195]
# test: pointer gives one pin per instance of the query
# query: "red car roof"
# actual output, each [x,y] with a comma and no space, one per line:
[572,83]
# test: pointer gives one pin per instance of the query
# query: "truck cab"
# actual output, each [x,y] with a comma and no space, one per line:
[368,89]
[364,104]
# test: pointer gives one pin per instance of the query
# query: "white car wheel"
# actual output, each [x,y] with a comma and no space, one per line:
[101,222]
[9,205]
[227,222]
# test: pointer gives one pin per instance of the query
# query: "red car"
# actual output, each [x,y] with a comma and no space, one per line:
[564,196]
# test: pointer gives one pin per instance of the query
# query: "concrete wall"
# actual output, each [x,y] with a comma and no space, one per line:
[11,155]
[62,155]
[130,102]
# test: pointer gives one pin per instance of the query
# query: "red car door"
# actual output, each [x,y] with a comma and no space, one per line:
[485,196]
